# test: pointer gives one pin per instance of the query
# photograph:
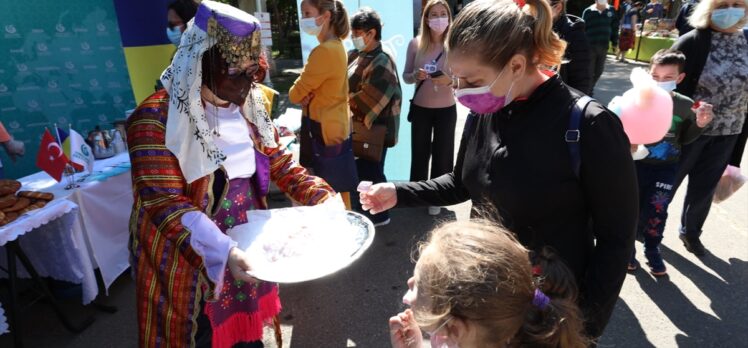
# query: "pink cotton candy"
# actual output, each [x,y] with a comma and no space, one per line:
[646,110]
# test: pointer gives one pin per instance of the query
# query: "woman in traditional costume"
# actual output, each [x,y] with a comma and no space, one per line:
[203,151]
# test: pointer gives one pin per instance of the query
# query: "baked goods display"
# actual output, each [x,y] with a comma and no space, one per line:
[14,203]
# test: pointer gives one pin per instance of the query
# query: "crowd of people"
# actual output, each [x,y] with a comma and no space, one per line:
[536,154]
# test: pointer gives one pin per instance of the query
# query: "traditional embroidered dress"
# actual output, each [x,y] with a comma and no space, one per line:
[170,276]
[186,199]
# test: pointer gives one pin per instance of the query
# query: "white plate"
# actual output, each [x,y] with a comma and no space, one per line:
[298,244]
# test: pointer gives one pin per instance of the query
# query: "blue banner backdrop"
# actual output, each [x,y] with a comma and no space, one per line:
[62,63]
[397,31]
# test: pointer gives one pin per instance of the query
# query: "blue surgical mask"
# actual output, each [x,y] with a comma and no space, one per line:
[174,35]
[726,18]
[359,43]
[667,85]
[309,26]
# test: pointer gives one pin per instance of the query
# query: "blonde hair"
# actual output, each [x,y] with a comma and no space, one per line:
[499,29]
[478,272]
[338,16]
[701,17]
[424,33]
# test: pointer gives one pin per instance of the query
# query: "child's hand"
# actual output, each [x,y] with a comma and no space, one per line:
[704,115]
[404,333]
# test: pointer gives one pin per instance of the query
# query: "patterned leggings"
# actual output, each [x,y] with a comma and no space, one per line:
[655,194]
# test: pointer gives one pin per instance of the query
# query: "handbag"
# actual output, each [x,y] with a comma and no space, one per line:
[334,163]
[368,143]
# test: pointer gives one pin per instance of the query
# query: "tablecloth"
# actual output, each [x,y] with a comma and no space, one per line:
[105,200]
[650,46]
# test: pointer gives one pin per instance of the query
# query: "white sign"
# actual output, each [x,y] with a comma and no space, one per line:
[267,34]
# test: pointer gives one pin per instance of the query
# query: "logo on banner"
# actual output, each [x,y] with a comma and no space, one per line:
[22,67]
[93,82]
[33,104]
[109,64]
[62,120]
[102,118]
[10,29]
[100,27]
[52,84]
[42,47]
[78,101]
[60,28]
[85,46]
[14,125]
[117,99]
[69,65]
[3,88]
[84,150]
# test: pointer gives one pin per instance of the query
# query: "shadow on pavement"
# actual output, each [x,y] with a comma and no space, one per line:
[701,329]
[624,329]
[354,305]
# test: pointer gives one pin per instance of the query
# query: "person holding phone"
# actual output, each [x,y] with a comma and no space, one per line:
[432,110]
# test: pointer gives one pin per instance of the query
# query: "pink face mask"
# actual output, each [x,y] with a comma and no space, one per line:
[480,99]
[439,25]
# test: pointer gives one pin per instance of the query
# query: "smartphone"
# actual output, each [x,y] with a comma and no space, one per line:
[436,73]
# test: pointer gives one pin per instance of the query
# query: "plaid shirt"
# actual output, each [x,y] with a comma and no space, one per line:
[373,85]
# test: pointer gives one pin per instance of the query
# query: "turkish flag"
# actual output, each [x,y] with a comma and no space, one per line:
[50,158]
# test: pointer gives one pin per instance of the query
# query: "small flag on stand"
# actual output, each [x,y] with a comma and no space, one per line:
[51,158]
[80,154]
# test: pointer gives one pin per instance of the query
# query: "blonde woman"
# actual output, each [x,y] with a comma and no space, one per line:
[322,89]
[432,110]
[716,73]
[514,156]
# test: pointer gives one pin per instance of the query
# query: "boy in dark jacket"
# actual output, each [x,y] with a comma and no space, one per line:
[601,27]
[656,172]
[576,70]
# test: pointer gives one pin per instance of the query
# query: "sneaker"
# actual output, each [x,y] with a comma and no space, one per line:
[693,245]
[434,211]
[382,223]
[633,265]
[655,263]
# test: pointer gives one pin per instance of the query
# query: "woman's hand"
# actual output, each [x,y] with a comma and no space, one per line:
[239,265]
[442,80]
[404,333]
[308,99]
[379,198]
[420,75]
[704,115]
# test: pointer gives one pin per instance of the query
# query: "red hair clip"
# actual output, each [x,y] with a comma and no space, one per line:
[520,3]
[537,271]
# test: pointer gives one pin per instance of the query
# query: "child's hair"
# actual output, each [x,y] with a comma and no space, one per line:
[338,16]
[424,33]
[669,56]
[479,272]
[499,29]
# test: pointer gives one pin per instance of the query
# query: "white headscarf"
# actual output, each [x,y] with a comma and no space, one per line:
[188,135]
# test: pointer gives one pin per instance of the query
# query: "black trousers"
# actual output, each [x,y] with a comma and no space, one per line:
[432,137]
[703,161]
[599,54]
[737,153]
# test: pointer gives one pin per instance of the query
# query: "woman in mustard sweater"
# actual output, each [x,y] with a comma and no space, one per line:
[322,90]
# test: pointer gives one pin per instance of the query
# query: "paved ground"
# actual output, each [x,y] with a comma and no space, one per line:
[701,304]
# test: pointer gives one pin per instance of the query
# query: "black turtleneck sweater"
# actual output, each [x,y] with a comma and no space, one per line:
[516,162]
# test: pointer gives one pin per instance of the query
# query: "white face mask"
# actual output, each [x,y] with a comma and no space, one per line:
[439,25]
[358,42]
[667,85]
[309,26]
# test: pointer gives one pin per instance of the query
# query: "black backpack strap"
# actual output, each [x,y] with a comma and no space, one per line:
[573,136]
